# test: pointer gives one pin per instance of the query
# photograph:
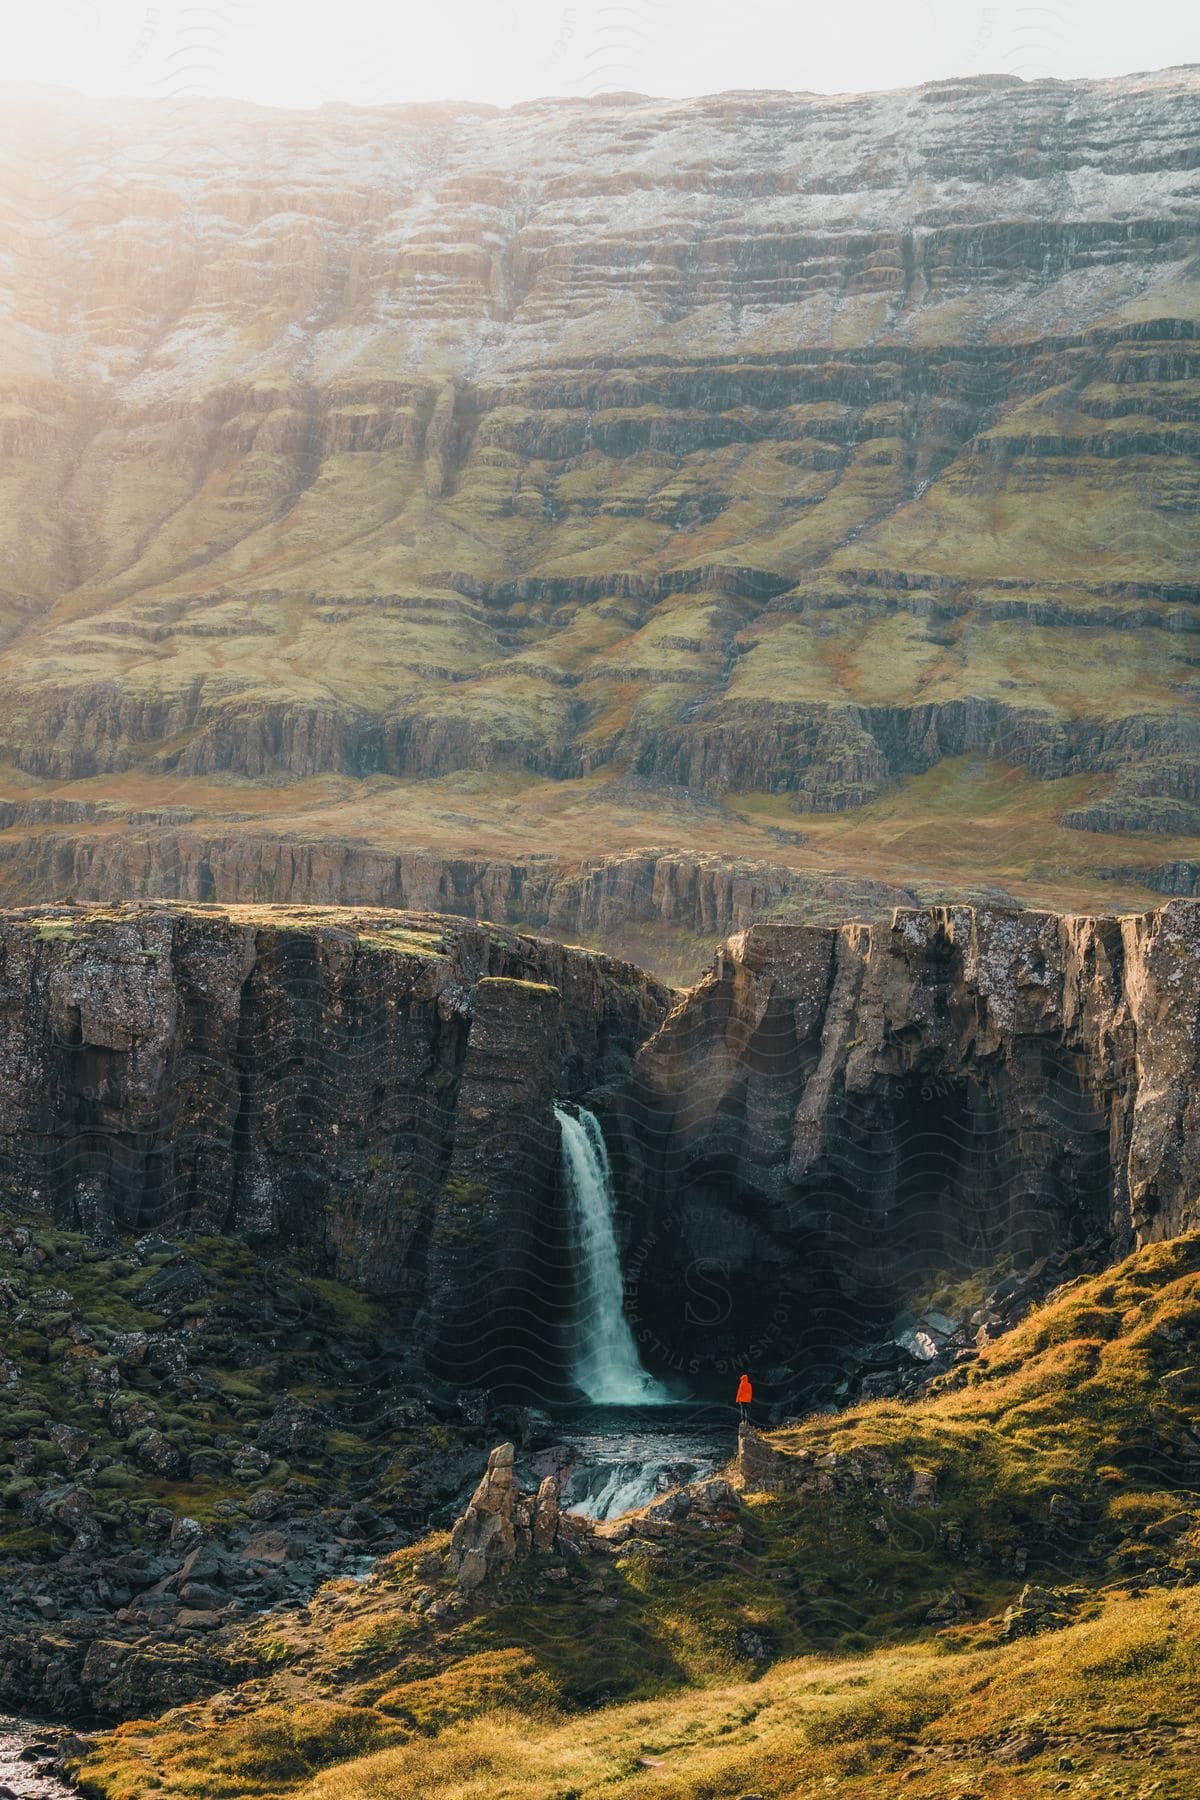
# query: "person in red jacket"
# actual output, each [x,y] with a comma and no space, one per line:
[745,1394]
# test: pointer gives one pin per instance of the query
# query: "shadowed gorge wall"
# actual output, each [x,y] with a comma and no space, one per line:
[372,1094]
[847,1112]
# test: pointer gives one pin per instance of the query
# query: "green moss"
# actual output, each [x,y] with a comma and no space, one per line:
[353,1310]
[31,1542]
[55,931]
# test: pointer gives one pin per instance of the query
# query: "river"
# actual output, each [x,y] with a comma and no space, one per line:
[626,1456]
[20,1777]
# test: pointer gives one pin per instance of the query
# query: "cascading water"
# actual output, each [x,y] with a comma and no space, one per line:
[627,1459]
[605,1362]
[22,1769]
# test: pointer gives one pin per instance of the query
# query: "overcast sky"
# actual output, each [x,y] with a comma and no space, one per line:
[302,52]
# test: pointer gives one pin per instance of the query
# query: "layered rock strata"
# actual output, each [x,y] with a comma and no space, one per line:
[754,442]
[596,897]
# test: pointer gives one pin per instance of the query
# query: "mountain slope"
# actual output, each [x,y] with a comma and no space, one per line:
[775,448]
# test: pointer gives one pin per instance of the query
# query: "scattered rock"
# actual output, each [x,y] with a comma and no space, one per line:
[186,1534]
[1021,1749]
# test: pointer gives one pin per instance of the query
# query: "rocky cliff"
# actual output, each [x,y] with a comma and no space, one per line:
[834,1119]
[372,1093]
[833,1122]
[662,902]
[762,445]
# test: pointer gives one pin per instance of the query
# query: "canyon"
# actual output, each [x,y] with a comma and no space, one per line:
[829,1121]
[599,747]
[792,480]
[290,1235]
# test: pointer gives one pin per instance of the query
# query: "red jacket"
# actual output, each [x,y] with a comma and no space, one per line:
[745,1392]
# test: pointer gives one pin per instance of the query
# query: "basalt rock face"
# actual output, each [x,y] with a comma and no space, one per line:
[755,442]
[832,1116]
[596,897]
[830,1120]
[373,1093]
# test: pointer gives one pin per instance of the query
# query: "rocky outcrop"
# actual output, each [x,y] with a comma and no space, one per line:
[484,1540]
[832,1116]
[502,1525]
[764,1467]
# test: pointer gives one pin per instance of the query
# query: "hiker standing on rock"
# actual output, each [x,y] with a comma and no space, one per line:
[745,1394]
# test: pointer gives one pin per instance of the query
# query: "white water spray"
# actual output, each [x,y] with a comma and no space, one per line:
[606,1364]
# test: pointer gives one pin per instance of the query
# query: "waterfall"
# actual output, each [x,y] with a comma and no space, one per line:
[605,1362]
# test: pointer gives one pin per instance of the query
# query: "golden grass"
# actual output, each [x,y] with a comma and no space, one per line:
[852,1726]
[539,1695]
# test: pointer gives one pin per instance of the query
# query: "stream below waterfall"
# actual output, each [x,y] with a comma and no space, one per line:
[612,1459]
[24,1745]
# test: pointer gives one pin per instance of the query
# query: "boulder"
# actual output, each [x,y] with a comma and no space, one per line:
[1022,1748]
[201,1564]
[186,1534]
[158,1454]
[292,1429]
[715,1497]
[173,1287]
[200,1597]
[74,1444]
[762,1468]
[1037,1610]
[128,1414]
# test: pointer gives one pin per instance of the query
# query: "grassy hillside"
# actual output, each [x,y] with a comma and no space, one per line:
[991,1591]
[708,474]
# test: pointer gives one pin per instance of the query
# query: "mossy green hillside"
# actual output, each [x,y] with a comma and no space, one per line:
[802,514]
[986,1590]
